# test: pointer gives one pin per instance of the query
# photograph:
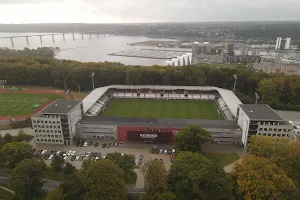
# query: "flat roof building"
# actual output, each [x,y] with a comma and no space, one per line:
[261,119]
[56,124]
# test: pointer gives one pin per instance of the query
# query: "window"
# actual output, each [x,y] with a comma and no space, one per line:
[42,140]
[279,130]
[36,131]
[53,140]
[40,131]
[48,135]
[58,126]
[51,131]
[270,129]
[56,140]
[55,131]
[60,140]
[47,126]
[33,121]
[274,135]
[283,135]
[59,131]
[44,131]
[50,126]
[260,129]
[54,126]
[265,129]
[42,121]
[275,129]
[56,136]
[284,130]
[47,131]
[269,134]
[34,126]
[38,140]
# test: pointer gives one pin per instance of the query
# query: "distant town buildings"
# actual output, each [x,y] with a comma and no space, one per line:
[245,51]
[282,44]
[231,49]
[255,52]
[287,69]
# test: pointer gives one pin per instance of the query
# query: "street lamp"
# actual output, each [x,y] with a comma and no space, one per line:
[256,97]
[2,84]
[235,78]
[93,74]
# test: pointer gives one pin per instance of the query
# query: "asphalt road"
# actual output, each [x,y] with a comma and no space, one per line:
[50,185]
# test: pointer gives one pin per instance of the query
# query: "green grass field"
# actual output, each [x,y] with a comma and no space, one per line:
[19,104]
[162,108]
[222,159]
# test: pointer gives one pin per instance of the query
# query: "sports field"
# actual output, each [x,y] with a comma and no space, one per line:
[162,108]
[20,104]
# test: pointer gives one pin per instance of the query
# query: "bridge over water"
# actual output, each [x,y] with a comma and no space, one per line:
[53,35]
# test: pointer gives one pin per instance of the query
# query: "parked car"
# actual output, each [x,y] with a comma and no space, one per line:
[157,151]
[96,144]
[161,151]
[58,152]
[170,151]
[103,145]
[166,152]
[77,158]
[173,151]
[87,154]
[50,157]
[73,153]
[73,158]
[120,144]
[66,157]
[152,150]
[85,144]
[172,159]
[81,158]
[90,143]
[141,157]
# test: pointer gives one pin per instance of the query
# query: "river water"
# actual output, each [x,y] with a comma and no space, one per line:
[86,50]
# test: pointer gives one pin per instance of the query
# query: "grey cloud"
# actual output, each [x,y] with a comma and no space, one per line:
[25,1]
[197,10]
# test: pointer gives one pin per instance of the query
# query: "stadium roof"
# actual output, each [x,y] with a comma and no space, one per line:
[60,106]
[228,96]
[158,123]
[260,112]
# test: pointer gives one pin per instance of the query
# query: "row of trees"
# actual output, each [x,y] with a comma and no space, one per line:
[278,90]
[40,51]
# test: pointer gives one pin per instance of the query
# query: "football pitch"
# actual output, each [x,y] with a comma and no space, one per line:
[20,104]
[162,108]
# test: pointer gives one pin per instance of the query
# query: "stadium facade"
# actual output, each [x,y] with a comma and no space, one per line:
[238,125]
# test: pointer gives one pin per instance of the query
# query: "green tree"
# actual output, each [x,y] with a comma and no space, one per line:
[8,138]
[158,196]
[27,179]
[69,169]
[125,162]
[258,178]
[103,180]
[72,188]
[156,181]
[193,176]
[283,152]
[56,194]
[57,163]
[14,152]
[190,138]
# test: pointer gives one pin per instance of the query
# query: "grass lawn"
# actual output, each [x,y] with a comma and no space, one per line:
[222,159]
[19,104]
[5,195]
[162,108]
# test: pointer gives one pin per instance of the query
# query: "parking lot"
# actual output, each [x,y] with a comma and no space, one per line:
[126,148]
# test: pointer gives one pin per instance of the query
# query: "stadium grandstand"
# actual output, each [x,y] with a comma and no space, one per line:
[226,99]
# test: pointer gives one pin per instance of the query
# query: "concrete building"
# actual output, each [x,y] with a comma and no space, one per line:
[261,119]
[282,44]
[255,52]
[56,124]
[245,51]
[287,69]
[208,58]
[241,59]
[231,49]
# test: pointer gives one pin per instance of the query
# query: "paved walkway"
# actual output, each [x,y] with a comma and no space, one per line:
[229,168]
[8,190]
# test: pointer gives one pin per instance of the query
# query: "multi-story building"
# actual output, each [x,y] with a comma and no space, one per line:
[255,52]
[231,49]
[56,124]
[282,44]
[287,69]
[261,119]
[245,51]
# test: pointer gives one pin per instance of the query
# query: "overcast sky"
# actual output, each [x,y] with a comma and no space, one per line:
[119,11]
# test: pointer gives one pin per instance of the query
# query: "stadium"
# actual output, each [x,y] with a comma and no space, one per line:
[154,114]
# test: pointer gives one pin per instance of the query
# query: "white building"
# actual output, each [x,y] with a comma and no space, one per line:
[56,124]
[283,44]
[261,119]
